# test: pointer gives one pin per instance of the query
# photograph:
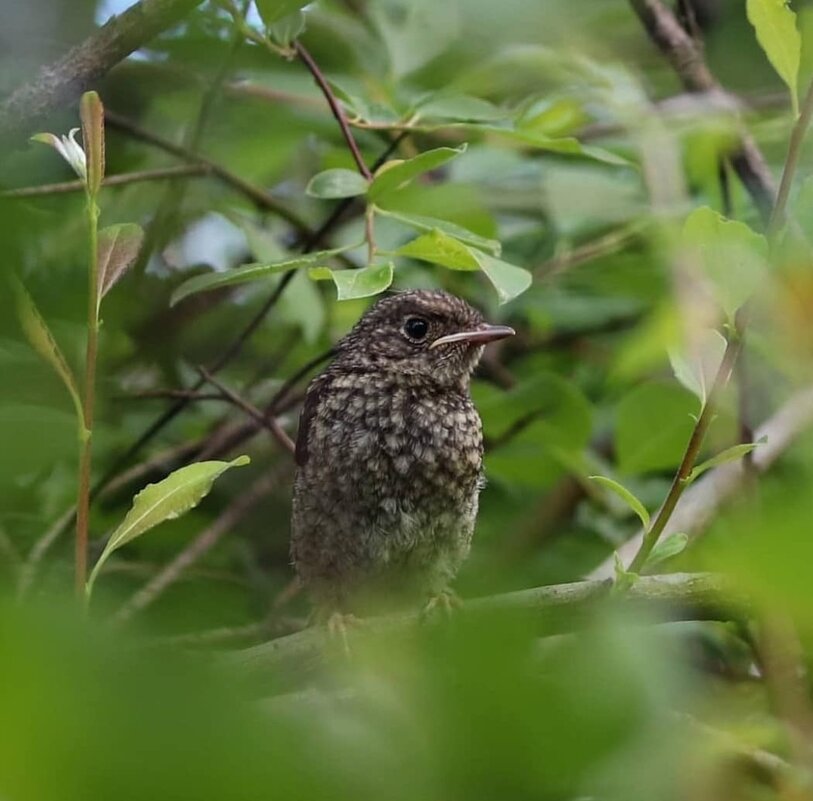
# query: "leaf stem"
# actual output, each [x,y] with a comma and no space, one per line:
[791,162]
[680,481]
[89,397]
[369,231]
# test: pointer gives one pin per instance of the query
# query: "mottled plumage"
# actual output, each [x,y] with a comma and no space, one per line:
[389,455]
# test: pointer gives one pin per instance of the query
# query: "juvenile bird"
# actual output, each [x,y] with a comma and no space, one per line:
[389,457]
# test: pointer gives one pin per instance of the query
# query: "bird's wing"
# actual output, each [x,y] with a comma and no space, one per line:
[313,398]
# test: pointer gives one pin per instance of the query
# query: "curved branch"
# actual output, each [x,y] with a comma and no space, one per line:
[680,596]
[64,80]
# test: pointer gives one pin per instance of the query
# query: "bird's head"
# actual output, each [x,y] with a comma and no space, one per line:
[423,333]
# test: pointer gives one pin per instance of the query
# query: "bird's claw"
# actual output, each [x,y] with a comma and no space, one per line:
[445,602]
[337,625]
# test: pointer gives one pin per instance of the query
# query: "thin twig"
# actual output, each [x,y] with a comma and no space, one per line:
[159,174]
[335,107]
[201,545]
[268,422]
[259,197]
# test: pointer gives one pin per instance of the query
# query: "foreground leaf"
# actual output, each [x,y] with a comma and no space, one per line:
[667,548]
[775,26]
[39,335]
[437,247]
[175,495]
[118,249]
[91,112]
[622,492]
[421,223]
[731,454]
[509,280]
[337,183]
[395,174]
[249,272]
[696,370]
[357,283]
[273,10]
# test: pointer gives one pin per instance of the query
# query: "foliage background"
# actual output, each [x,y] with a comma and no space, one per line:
[630,707]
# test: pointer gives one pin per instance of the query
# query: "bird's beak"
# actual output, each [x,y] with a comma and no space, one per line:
[477,336]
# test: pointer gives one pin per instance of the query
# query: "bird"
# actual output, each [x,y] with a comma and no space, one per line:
[389,459]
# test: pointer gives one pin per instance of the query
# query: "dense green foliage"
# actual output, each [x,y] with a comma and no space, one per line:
[542,160]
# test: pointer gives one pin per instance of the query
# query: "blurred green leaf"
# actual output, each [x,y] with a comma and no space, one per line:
[653,425]
[118,249]
[509,280]
[439,248]
[622,492]
[696,371]
[731,255]
[361,283]
[667,548]
[775,24]
[175,495]
[250,272]
[455,231]
[393,175]
[337,183]
[271,11]
[731,454]
[39,335]
[92,115]
[284,31]
[457,107]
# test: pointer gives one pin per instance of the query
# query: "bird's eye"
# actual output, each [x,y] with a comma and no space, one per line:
[416,328]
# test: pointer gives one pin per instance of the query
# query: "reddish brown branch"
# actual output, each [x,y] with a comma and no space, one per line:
[335,107]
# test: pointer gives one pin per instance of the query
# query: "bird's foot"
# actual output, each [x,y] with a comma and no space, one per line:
[446,603]
[337,625]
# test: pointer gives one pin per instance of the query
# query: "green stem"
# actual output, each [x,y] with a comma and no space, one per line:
[681,479]
[89,395]
[369,232]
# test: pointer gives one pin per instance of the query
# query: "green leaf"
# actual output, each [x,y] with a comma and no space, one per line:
[440,248]
[39,336]
[731,255]
[337,183]
[286,30]
[458,108]
[91,113]
[566,145]
[422,223]
[508,280]
[696,370]
[360,283]
[653,426]
[249,272]
[174,496]
[731,454]
[394,174]
[273,10]
[667,548]
[775,26]
[622,492]
[624,579]
[118,249]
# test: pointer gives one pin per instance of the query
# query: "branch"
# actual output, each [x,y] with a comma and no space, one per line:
[704,499]
[259,197]
[686,58]
[162,173]
[267,421]
[63,81]
[335,107]
[681,596]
